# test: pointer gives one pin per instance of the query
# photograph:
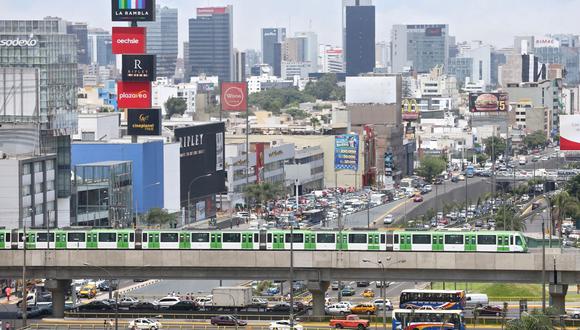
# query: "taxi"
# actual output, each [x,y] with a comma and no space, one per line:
[365,308]
[368,293]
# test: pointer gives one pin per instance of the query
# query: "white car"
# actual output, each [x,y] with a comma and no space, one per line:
[203,301]
[388,219]
[379,304]
[148,324]
[341,308]
[167,302]
[284,324]
[573,313]
[128,301]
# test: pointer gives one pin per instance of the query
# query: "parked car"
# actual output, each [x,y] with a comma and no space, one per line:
[144,306]
[489,311]
[227,320]
[143,323]
[573,313]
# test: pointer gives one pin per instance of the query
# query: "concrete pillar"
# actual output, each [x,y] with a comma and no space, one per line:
[558,297]
[58,288]
[318,291]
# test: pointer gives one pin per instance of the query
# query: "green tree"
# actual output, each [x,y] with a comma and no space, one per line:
[431,167]
[573,187]
[531,321]
[175,105]
[535,140]
[495,144]
[161,217]
[325,88]
[506,218]
[314,122]
[297,114]
[276,99]
[481,158]
[259,194]
[563,205]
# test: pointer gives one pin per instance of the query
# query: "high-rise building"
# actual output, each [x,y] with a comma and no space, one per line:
[162,40]
[81,32]
[271,37]
[360,39]
[310,48]
[346,3]
[331,59]
[186,66]
[239,66]
[382,55]
[252,59]
[294,50]
[419,47]
[44,126]
[100,47]
[211,50]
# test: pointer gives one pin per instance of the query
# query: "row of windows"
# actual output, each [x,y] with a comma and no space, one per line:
[433,297]
[458,239]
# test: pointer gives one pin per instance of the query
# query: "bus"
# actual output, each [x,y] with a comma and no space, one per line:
[427,319]
[469,171]
[314,216]
[436,299]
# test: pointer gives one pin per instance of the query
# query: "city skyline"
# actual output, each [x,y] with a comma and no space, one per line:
[324,17]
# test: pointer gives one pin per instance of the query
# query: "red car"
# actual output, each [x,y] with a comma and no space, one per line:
[418,198]
[227,320]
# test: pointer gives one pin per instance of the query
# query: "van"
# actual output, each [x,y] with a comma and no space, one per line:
[473,300]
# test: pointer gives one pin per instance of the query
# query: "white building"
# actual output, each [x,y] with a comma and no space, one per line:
[100,126]
[331,59]
[481,56]
[291,70]
[162,90]
[259,83]
[311,48]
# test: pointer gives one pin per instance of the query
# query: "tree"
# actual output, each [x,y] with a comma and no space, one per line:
[495,144]
[530,321]
[175,105]
[573,187]
[481,158]
[506,218]
[535,140]
[314,122]
[563,205]
[276,99]
[259,194]
[297,114]
[326,88]
[431,167]
[161,217]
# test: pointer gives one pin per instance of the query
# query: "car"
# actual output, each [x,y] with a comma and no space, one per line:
[461,177]
[573,313]
[144,323]
[455,179]
[368,293]
[364,308]
[259,302]
[184,305]
[341,308]
[380,304]
[127,301]
[350,322]
[347,291]
[220,320]
[335,285]
[280,307]
[203,301]
[417,198]
[103,286]
[271,291]
[88,291]
[362,284]
[380,284]
[285,325]
[97,305]
[144,306]
[428,187]
[388,219]
[166,302]
[489,310]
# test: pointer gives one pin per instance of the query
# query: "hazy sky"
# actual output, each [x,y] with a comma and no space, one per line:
[493,21]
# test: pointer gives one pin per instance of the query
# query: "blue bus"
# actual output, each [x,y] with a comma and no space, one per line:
[469,171]
[436,299]
[426,319]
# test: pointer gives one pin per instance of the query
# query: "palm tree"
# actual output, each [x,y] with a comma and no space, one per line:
[562,205]
[260,193]
[506,218]
[314,122]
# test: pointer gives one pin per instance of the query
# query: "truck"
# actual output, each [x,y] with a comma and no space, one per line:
[350,322]
[232,297]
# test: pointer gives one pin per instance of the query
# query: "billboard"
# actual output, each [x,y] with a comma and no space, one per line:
[144,121]
[433,32]
[234,96]
[201,153]
[381,90]
[488,102]
[410,110]
[135,95]
[132,10]
[128,40]
[138,68]
[346,152]
[569,132]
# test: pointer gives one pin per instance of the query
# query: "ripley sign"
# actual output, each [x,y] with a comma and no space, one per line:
[234,96]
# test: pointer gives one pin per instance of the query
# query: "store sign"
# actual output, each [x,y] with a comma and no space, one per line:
[18,42]
[133,95]
[346,152]
[144,121]
[234,96]
[132,10]
[128,40]
[138,68]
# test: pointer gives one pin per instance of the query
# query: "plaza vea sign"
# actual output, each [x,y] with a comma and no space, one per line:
[133,95]
[128,40]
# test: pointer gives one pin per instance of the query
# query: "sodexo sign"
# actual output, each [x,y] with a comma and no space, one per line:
[18,42]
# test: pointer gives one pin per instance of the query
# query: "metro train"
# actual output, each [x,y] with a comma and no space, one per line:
[318,240]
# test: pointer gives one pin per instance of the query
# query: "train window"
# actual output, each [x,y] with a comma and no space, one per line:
[382,238]
[75,237]
[145,237]
[131,237]
[231,238]
[41,237]
[256,238]
[107,237]
[518,240]
[269,238]
[422,239]
[512,240]
[169,237]
[7,237]
[20,237]
[298,238]
[357,238]
[325,238]
[396,240]
[453,239]
[486,239]
[199,237]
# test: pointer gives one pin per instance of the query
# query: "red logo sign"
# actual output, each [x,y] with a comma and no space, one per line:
[133,94]
[234,96]
[129,40]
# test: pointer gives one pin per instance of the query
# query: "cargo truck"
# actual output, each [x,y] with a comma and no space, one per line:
[232,297]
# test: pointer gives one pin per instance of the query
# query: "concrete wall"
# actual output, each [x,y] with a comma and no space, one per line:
[10,192]
[171,176]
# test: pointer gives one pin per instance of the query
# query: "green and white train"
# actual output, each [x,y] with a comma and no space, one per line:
[320,240]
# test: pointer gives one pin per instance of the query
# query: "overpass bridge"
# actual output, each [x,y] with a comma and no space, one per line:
[317,267]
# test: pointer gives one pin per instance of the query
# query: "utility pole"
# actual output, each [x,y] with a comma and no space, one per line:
[543,267]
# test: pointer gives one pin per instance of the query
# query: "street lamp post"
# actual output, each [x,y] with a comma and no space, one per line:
[189,192]
[110,292]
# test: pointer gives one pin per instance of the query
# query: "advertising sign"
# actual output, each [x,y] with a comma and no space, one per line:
[569,132]
[144,121]
[410,110]
[134,95]
[260,146]
[346,152]
[199,157]
[138,68]
[488,102]
[234,96]
[433,32]
[132,10]
[128,40]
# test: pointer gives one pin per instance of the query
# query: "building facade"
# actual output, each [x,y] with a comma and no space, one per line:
[100,47]
[270,52]
[332,59]
[420,47]
[80,30]
[360,40]
[162,41]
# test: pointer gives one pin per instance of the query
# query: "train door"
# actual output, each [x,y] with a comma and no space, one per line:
[92,241]
[31,241]
[342,241]
[122,240]
[437,241]
[263,240]
[60,240]
[405,242]
[373,241]
[2,241]
[278,241]
[470,242]
[503,243]
[154,240]
[215,241]
[309,241]
[247,241]
[184,240]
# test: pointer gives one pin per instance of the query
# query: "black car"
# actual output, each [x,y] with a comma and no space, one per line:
[362,284]
[184,305]
[280,307]
[224,320]
[144,306]
[489,311]
[96,305]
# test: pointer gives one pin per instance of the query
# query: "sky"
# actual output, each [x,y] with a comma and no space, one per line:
[493,21]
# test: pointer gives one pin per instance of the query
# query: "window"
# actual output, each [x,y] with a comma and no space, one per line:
[396,240]
[325,238]
[382,238]
[107,237]
[357,238]
[7,237]
[486,239]
[518,240]
[199,237]
[75,237]
[169,237]
[231,237]
[26,169]
[422,239]
[41,237]
[49,165]
[298,238]
[50,185]
[131,237]
[269,238]
[37,167]
[256,239]
[145,237]
[26,190]
[453,239]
